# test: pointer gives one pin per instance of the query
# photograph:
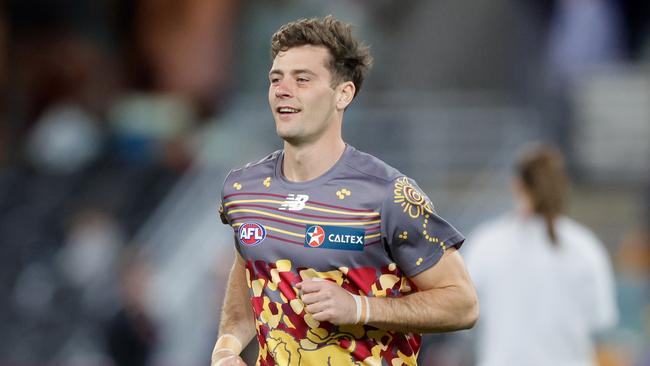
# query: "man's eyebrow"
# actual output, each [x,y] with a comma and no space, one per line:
[302,71]
[294,72]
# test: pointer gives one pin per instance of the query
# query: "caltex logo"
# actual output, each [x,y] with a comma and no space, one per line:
[315,236]
[251,233]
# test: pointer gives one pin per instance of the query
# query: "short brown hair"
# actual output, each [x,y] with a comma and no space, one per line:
[350,59]
[541,170]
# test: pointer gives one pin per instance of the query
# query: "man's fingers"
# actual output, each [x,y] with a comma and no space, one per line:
[313,285]
[316,307]
[313,297]
[321,299]
[322,316]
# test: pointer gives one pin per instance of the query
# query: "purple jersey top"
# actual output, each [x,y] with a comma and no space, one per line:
[362,225]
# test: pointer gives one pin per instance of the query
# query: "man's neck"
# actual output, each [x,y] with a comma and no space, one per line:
[304,163]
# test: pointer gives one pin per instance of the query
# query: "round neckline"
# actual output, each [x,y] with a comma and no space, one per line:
[313,182]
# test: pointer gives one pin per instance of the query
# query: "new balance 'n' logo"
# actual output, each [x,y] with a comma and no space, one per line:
[294,202]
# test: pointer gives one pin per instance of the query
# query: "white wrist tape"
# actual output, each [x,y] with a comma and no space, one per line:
[357,301]
[223,350]
[367,312]
[223,360]
[363,309]
[228,342]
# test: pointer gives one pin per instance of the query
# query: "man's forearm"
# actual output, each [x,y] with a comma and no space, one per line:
[236,315]
[446,301]
[433,311]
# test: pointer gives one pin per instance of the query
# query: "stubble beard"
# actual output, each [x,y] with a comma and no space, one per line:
[296,133]
[289,134]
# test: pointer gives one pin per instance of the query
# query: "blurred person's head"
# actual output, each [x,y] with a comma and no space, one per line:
[65,139]
[89,256]
[318,69]
[540,184]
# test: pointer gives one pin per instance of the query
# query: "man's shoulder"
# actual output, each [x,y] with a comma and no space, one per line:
[372,167]
[264,166]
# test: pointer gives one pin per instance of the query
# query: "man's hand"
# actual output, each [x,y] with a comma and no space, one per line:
[327,301]
[227,359]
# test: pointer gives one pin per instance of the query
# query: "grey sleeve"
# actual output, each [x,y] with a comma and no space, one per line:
[223,212]
[414,233]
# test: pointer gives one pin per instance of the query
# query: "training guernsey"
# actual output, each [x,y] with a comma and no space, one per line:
[362,224]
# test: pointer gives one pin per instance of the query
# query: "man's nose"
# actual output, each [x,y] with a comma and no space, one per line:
[282,91]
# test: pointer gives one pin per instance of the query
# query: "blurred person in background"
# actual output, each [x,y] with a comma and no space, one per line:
[317,287]
[544,281]
[180,48]
[131,334]
[176,58]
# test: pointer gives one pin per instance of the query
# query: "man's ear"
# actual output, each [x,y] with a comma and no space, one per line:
[344,94]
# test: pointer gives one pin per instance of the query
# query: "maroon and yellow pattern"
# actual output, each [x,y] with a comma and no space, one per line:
[289,336]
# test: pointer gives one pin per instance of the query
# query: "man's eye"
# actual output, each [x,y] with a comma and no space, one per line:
[274,80]
[302,80]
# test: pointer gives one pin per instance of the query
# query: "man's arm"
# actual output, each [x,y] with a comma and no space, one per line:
[237,326]
[446,301]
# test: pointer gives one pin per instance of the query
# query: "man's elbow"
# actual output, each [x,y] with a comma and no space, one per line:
[471,313]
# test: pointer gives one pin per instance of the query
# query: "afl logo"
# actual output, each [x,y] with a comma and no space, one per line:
[251,233]
[315,236]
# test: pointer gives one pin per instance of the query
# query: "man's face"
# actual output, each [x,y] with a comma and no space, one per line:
[300,94]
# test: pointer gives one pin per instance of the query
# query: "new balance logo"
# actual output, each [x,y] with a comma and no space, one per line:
[294,202]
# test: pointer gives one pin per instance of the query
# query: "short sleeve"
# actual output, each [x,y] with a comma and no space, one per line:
[223,215]
[414,233]
[223,211]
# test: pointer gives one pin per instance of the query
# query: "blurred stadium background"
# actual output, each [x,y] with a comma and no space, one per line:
[120,119]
